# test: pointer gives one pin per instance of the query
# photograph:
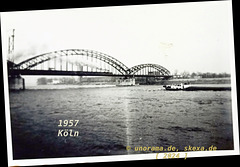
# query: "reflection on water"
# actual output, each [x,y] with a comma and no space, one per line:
[112,118]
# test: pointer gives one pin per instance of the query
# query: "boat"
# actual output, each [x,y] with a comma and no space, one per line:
[188,87]
[182,86]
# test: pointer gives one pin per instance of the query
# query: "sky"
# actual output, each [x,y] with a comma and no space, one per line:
[193,36]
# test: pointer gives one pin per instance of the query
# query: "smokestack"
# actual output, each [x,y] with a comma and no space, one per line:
[11,46]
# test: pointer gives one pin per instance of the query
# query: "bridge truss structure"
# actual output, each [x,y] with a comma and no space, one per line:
[83,62]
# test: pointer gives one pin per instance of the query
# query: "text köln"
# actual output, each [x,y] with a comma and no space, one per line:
[68,131]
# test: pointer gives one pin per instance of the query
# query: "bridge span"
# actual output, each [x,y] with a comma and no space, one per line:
[82,62]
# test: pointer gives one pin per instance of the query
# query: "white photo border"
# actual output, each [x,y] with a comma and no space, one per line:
[94,159]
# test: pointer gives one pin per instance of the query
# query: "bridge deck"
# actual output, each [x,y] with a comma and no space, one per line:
[75,73]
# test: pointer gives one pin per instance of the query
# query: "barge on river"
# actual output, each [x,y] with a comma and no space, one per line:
[189,87]
[177,87]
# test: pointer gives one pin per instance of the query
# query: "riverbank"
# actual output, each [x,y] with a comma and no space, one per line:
[198,81]
[215,87]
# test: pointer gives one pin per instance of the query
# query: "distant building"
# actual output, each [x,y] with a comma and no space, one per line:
[177,76]
[56,81]
[197,77]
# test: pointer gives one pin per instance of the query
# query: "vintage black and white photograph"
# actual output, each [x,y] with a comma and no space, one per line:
[120,80]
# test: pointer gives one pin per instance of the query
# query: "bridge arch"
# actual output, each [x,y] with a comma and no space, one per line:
[39,59]
[152,69]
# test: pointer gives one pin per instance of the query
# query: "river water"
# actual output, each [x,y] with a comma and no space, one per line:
[111,118]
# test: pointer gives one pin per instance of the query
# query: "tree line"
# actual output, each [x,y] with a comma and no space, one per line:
[186,74]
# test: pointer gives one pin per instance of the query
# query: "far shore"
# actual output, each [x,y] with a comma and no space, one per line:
[199,81]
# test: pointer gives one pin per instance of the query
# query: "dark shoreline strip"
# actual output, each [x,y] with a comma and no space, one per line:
[194,88]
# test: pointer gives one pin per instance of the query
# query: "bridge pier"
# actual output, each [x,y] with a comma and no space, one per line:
[16,83]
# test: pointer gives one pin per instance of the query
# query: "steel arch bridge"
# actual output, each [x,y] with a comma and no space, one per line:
[148,69]
[83,62]
[34,61]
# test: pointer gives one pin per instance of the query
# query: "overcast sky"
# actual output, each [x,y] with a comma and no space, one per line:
[192,37]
